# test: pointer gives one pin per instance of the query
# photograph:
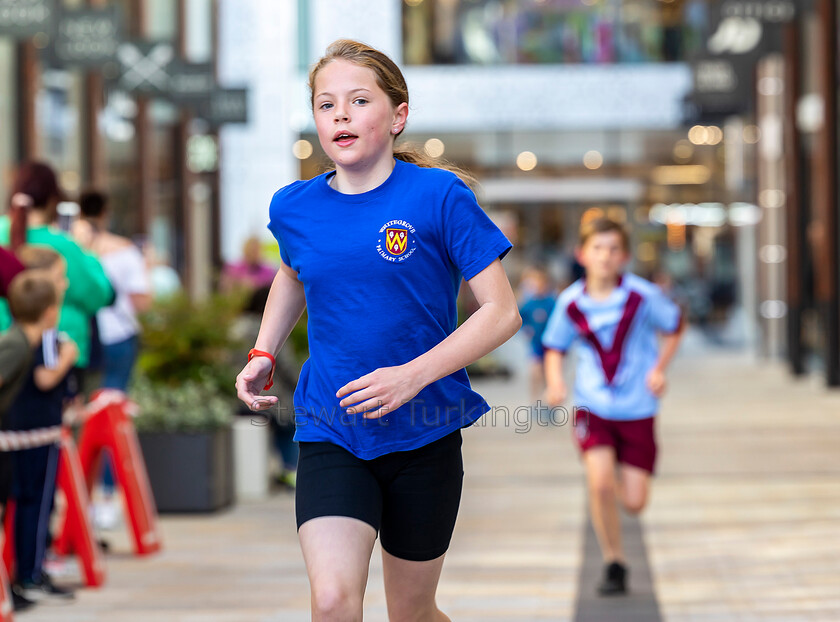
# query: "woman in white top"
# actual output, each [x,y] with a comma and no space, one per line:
[124,264]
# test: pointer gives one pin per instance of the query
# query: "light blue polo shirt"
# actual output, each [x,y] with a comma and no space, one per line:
[381,272]
[616,342]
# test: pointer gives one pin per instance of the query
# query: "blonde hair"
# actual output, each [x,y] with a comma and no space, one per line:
[392,82]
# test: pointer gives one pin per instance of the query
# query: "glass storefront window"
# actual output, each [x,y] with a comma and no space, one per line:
[162,19]
[59,132]
[550,31]
[199,25]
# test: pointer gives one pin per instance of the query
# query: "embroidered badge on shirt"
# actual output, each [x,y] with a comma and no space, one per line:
[396,241]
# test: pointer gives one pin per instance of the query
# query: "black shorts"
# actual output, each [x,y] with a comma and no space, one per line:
[410,497]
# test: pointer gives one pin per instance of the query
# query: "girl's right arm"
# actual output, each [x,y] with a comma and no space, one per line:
[283,309]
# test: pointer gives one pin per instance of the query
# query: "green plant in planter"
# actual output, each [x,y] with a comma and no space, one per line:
[193,406]
[184,380]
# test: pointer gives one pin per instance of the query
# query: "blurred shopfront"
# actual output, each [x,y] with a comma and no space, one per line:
[709,126]
[561,108]
[770,71]
[69,97]
[551,31]
[567,109]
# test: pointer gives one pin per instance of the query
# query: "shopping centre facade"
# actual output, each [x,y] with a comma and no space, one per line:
[708,127]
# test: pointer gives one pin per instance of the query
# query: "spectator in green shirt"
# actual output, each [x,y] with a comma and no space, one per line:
[35,196]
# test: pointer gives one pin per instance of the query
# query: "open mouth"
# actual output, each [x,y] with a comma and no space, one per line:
[343,139]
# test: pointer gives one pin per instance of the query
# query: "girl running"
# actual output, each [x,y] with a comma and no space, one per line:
[375,250]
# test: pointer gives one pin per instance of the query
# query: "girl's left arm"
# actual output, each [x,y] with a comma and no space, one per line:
[496,320]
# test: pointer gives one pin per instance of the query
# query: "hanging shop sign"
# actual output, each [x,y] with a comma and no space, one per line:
[87,37]
[153,69]
[764,11]
[22,19]
[736,36]
[722,86]
[742,31]
[751,26]
[144,67]
[225,106]
[191,83]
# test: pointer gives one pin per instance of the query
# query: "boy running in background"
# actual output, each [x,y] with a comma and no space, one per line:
[615,317]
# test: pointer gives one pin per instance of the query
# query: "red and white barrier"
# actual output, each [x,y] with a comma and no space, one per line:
[108,425]
[81,537]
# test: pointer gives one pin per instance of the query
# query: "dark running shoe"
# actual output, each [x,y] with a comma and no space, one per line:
[614,581]
[45,590]
[19,601]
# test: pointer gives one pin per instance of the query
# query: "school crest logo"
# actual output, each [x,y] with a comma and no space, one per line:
[396,241]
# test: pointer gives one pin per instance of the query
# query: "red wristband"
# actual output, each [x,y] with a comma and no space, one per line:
[254,352]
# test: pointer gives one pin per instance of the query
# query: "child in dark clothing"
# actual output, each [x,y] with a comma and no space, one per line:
[35,298]
[34,303]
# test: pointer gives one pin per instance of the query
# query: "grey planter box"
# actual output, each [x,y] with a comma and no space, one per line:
[189,472]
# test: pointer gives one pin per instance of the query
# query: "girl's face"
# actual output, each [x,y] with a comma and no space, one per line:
[355,119]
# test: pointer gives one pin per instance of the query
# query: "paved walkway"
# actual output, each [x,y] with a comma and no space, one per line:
[745,519]
[744,522]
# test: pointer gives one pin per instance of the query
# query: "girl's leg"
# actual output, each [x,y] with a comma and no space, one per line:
[337,552]
[603,500]
[410,589]
[420,510]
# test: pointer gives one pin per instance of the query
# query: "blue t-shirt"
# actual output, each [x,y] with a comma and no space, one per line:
[617,344]
[381,272]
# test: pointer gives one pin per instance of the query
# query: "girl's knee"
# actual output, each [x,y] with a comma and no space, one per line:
[332,601]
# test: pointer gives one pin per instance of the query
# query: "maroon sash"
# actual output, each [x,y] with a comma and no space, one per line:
[611,358]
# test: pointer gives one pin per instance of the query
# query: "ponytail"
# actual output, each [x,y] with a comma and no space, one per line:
[19,205]
[412,155]
[35,188]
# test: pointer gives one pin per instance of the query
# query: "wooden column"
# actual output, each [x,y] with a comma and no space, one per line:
[94,168]
[28,76]
[145,180]
[795,224]
[215,176]
[94,160]
[185,213]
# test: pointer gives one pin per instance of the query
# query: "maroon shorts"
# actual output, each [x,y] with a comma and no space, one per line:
[634,441]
